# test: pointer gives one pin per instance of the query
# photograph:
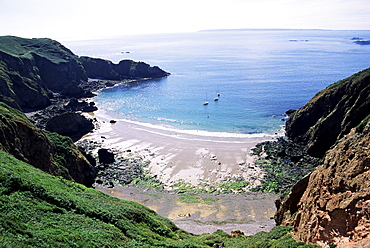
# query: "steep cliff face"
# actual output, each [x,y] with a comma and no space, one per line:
[335,204]
[31,68]
[331,114]
[47,151]
[105,69]
[332,203]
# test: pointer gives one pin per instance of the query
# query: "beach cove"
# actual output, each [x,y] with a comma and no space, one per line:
[198,159]
[175,155]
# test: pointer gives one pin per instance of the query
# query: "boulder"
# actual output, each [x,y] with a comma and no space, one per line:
[73,125]
[105,156]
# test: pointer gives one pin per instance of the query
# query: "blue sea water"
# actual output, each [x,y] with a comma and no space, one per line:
[259,73]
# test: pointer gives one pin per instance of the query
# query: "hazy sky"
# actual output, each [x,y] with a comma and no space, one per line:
[65,19]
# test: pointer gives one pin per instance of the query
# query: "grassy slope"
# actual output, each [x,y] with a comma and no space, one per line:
[44,47]
[39,210]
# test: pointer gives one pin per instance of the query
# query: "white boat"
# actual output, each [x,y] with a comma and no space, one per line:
[215,99]
[206,102]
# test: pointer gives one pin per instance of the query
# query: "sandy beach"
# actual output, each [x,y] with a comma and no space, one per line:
[195,157]
[190,155]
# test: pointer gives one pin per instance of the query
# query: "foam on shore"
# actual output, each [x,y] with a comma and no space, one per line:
[191,155]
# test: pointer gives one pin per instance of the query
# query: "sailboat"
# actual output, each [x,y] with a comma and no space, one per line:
[205,103]
[218,94]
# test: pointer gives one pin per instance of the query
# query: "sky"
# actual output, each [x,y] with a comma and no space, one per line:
[84,19]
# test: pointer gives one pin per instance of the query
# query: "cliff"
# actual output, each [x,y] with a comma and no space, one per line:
[331,114]
[47,151]
[331,203]
[34,72]
[125,69]
[32,69]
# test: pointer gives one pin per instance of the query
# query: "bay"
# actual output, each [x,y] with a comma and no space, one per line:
[259,74]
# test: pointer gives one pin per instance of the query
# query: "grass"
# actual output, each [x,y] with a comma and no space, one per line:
[43,47]
[227,186]
[40,210]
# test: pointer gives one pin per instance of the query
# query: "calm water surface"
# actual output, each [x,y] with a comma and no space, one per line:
[259,73]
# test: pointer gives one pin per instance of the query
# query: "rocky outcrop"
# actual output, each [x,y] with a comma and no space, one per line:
[31,69]
[331,204]
[34,72]
[335,204]
[125,69]
[47,151]
[331,114]
[70,124]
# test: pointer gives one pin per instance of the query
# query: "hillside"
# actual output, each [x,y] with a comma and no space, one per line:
[32,69]
[48,151]
[331,203]
[39,210]
[331,114]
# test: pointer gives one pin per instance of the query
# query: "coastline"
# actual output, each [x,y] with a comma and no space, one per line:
[178,155]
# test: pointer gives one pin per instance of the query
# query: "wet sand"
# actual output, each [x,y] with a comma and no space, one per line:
[174,154]
[205,213]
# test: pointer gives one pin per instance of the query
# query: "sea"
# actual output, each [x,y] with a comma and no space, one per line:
[258,75]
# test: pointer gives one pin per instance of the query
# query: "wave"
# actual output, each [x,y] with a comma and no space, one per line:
[190,134]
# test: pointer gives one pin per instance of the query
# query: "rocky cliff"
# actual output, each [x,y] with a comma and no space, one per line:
[33,72]
[332,203]
[105,69]
[32,69]
[47,151]
[335,203]
[331,114]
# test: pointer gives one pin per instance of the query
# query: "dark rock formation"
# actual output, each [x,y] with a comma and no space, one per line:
[34,71]
[49,152]
[125,69]
[362,42]
[331,114]
[73,125]
[32,68]
[105,156]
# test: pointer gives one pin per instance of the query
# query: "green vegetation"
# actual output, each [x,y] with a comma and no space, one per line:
[39,210]
[43,47]
[227,186]
[193,198]
[285,164]
[18,134]
[8,114]
[360,127]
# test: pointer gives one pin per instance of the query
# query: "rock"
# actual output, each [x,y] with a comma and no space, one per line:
[105,156]
[112,121]
[125,69]
[334,205]
[28,80]
[73,125]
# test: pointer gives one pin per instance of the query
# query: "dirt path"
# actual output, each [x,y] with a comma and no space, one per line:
[205,213]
